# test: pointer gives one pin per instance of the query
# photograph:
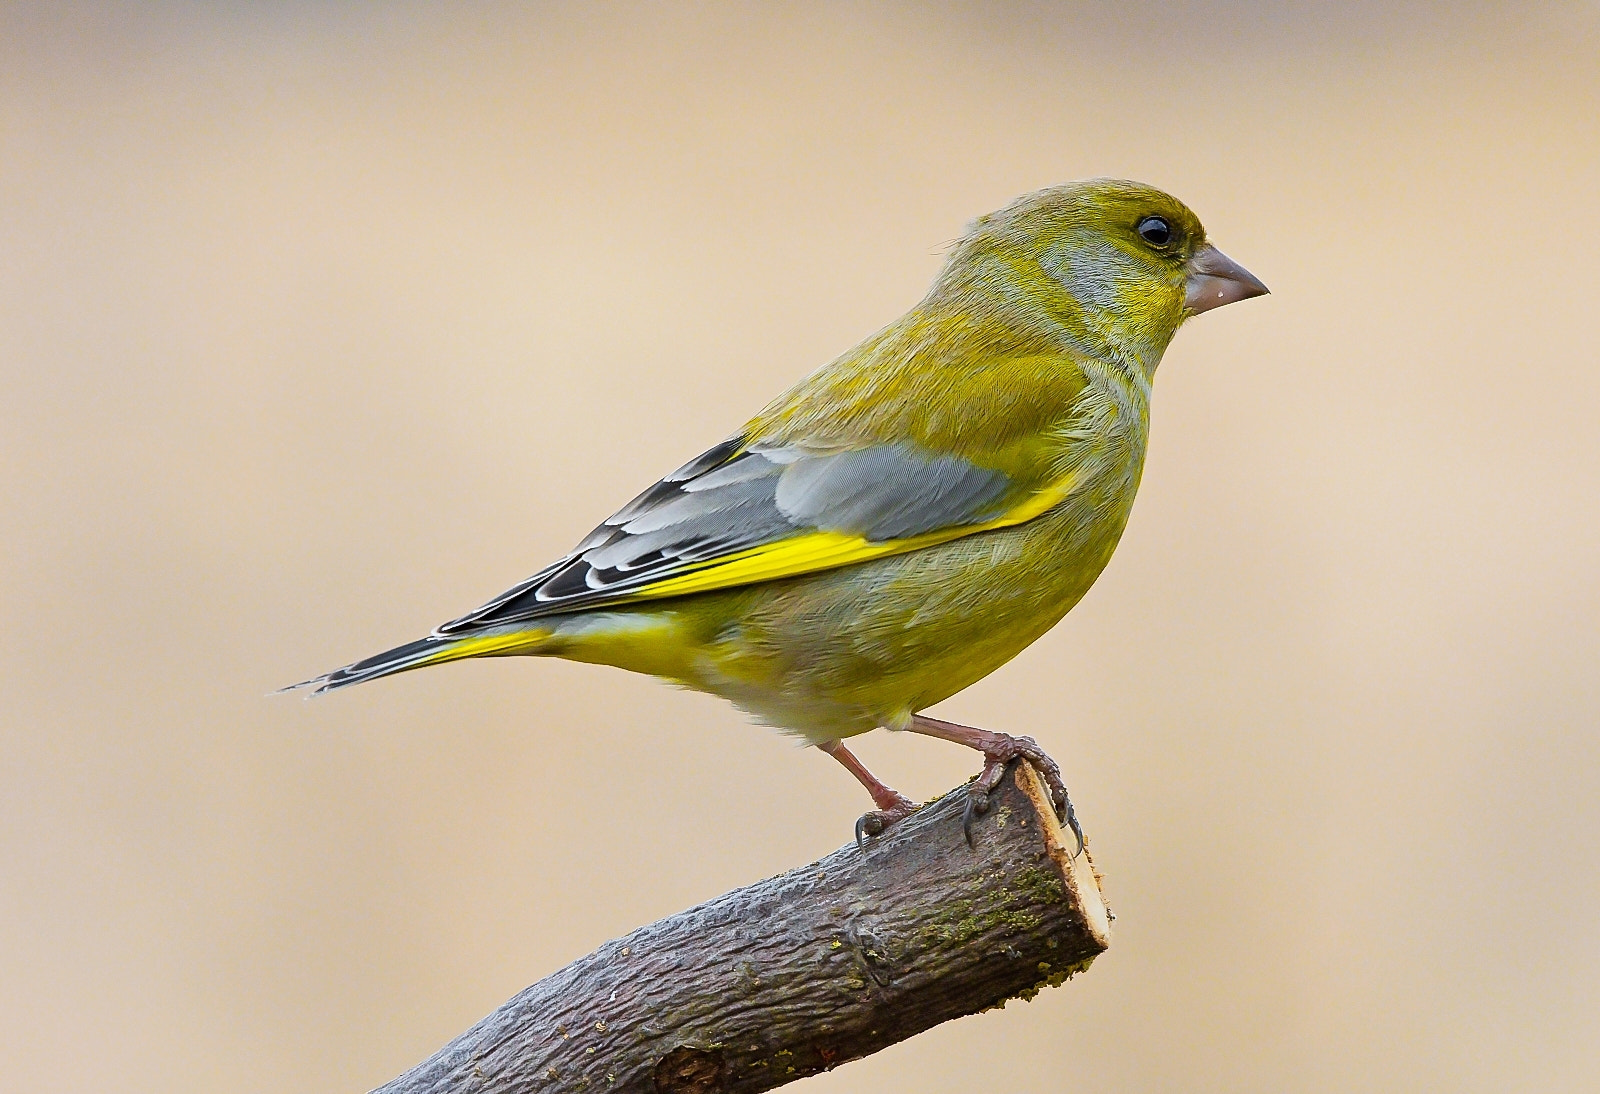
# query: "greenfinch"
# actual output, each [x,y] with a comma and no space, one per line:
[906,520]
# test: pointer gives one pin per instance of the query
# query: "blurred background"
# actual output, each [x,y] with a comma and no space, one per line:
[320,325]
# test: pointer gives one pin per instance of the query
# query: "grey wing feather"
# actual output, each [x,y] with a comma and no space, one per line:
[888,492]
[734,498]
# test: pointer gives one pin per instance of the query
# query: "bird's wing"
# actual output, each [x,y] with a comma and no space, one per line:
[742,513]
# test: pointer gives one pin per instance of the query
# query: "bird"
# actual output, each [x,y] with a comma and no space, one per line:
[908,518]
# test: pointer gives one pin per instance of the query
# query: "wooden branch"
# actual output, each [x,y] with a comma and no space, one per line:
[804,971]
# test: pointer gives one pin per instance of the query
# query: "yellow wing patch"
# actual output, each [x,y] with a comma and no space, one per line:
[814,551]
[488,645]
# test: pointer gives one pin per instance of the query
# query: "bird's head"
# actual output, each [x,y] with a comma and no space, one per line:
[1118,265]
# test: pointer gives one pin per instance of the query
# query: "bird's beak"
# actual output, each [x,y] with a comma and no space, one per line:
[1215,279]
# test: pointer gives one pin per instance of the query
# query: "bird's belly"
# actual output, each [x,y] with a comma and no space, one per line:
[838,653]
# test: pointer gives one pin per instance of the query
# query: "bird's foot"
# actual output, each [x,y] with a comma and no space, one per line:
[892,805]
[999,751]
[874,824]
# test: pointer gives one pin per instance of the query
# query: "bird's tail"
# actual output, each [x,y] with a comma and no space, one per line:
[433,650]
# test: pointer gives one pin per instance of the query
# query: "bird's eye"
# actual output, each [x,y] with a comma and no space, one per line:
[1155,231]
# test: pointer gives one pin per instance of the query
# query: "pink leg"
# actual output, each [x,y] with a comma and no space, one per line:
[892,805]
[999,749]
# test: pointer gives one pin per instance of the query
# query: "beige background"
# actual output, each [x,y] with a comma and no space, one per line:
[319,328]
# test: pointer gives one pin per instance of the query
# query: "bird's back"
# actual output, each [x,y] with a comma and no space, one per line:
[830,654]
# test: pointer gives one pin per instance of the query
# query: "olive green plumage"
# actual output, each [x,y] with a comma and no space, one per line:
[910,517]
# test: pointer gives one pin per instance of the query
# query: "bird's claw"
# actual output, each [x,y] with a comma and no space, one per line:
[1069,817]
[997,758]
[874,824]
[977,806]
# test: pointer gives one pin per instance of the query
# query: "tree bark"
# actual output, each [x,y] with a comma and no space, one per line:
[804,971]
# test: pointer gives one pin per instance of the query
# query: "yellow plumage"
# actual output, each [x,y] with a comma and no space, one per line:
[911,516]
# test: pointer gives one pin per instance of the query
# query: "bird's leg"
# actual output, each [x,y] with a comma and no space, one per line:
[892,805]
[999,749]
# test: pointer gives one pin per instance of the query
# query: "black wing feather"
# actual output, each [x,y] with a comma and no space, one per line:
[733,498]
